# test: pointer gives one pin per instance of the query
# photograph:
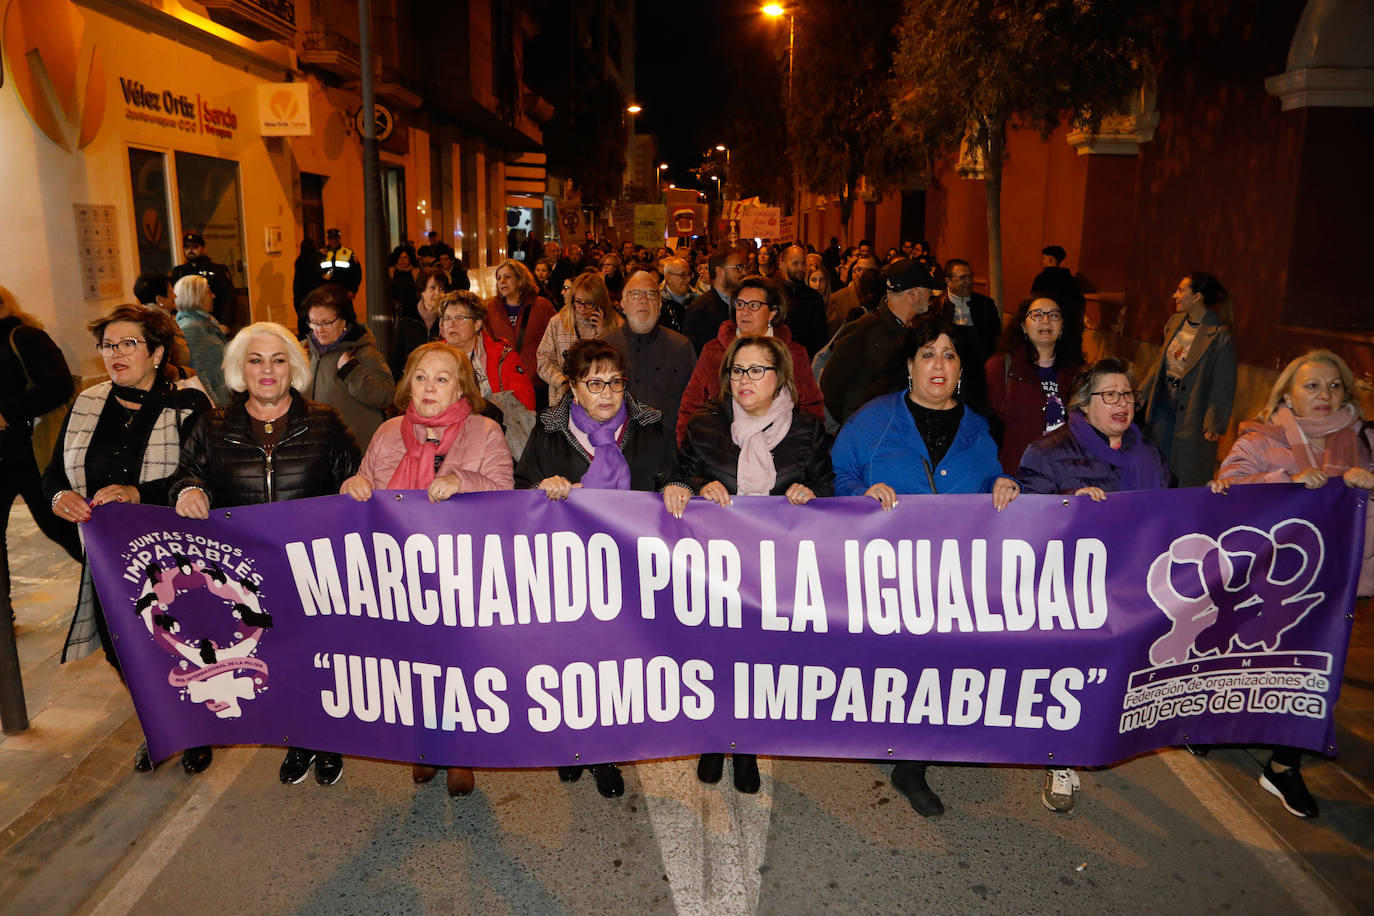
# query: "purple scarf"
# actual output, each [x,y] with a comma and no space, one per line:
[1137,471]
[608,470]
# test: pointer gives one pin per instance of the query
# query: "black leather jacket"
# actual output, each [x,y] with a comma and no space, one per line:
[803,455]
[315,455]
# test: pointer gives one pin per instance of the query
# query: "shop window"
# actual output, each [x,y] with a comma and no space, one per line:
[312,207]
[209,203]
[148,178]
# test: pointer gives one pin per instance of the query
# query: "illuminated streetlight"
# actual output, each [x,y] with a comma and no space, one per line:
[634,109]
[720,147]
[774,10]
[663,166]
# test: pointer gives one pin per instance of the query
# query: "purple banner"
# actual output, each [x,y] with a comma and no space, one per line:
[502,629]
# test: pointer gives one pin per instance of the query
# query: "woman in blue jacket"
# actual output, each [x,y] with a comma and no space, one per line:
[922,440]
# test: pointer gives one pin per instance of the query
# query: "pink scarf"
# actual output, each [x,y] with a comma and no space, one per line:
[416,470]
[756,438]
[1340,430]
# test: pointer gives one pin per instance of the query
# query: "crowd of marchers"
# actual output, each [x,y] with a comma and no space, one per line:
[694,373]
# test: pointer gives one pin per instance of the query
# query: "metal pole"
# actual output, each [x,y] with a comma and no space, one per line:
[796,192]
[379,317]
[14,715]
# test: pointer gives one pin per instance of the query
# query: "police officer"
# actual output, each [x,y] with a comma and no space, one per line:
[226,305]
[339,264]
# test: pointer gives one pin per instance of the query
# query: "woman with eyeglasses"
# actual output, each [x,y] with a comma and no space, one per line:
[496,366]
[753,440]
[418,320]
[121,442]
[347,371]
[759,311]
[1097,451]
[1030,375]
[1190,388]
[1311,431]
[613,273]
[597,437]
[588,315]
[927,439]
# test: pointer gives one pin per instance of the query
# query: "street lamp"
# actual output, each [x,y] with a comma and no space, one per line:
[775,11]
[634,109]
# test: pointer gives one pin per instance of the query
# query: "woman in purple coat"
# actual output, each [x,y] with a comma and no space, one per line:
[1098,451]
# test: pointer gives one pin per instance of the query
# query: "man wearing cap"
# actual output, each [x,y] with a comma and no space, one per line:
[339,264]
[866,360]
[225,307]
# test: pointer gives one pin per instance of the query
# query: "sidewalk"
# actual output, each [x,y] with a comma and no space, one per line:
[73,764]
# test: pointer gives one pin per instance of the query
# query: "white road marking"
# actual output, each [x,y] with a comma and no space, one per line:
[712,838]
[1273,853]
[211,784]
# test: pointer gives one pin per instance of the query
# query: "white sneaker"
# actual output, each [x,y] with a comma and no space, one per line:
[1060,785]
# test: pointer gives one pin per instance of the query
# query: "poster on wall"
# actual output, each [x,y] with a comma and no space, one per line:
[284,109]
[97,250]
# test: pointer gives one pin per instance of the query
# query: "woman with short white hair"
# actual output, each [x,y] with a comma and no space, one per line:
[268,444]
[204,337]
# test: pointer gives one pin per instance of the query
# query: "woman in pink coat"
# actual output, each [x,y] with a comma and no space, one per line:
[442,445]
[1311,431]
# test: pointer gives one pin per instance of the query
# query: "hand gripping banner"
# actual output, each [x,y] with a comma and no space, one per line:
[502,629]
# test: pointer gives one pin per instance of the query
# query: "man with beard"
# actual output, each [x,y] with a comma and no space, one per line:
[805,307]
[717,303]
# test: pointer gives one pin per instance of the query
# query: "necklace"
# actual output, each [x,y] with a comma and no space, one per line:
[129,414]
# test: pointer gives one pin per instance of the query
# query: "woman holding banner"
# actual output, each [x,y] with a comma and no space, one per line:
[752,441]
[1098,451]
[268,444]
[598,438]
[443,445]
[121,442]
[1311,431]
[922,440]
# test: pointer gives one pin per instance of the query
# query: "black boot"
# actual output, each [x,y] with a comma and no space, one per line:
[710,767]
[909,778]
[746,773]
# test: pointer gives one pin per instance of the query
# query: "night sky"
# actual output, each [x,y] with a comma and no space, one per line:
[690,64]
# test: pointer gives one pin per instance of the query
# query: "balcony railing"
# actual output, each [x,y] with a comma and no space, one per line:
[332,52]
[260,20]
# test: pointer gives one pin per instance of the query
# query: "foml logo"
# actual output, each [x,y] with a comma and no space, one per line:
[58,73]
[284,106]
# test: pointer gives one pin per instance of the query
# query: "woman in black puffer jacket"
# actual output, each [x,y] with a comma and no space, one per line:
[753,441]
[268,444]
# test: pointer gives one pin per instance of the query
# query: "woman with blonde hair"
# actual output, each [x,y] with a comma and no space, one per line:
[268,444]
[1311,431]
[518,316]
[204,337]
[588,316]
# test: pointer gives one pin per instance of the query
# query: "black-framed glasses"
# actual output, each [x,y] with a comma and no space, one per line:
[124,347]
[754,372]
[583,303]
[598,385]
[321,325]
[752,305]
[1045,315]
[1112,398]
